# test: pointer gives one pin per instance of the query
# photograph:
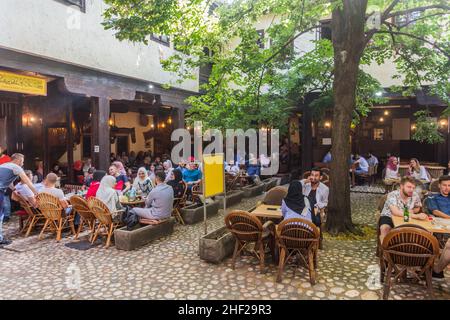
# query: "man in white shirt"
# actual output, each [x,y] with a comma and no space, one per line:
[25,190]
[49,187]
[371,159]
[317,194]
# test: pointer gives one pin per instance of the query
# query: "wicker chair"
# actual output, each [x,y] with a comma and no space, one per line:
[179,203]
[275,196]
[81,207]
[52,210]
[298,238]
[248,229]
[72,187]
[105,220]
[409,248]
[196,192]
[434,186]
[34,216]
[231,181]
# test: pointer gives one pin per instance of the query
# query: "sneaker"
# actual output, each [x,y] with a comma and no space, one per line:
[438,275]
[5,242]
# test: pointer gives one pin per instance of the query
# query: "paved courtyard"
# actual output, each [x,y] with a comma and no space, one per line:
[170,268]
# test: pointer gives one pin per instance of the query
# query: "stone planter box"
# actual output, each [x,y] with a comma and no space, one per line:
[141,235]
[233,197]
[269,183]
[252,191]
[217,245]
[194,213]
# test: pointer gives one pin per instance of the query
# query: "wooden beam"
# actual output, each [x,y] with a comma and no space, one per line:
[306,140]
[100,108]
[69,120]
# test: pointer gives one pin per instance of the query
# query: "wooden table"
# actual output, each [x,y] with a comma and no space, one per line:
[427,224]
[267,212]
[136,203]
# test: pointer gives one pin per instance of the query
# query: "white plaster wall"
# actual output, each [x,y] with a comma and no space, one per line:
[131,120]
[50,29]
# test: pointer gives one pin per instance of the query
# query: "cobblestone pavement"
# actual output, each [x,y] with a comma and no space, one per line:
[170,268]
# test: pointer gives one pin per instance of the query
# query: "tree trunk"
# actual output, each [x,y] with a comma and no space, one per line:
[348,43]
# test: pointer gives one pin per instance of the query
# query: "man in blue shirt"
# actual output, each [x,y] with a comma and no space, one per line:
[439,204]
[327,157]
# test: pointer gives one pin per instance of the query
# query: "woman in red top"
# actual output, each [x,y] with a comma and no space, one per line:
[92,191]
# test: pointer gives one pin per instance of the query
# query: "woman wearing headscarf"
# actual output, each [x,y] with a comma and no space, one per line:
[142,184]
[109,196]
[392,169]
[151,173]
[295,205]
[167,169]
[176,182]
[95,183]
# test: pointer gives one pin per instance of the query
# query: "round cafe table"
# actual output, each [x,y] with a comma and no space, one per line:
[135,203]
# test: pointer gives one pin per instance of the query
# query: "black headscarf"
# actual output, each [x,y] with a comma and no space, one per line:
[98,175]
[177,175]
[294,198]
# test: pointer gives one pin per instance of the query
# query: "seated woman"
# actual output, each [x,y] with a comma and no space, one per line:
[392,169]
[295,205]
[143,184]
[109,196]
[168,168]
[95,183]
[417,171]
[176,183]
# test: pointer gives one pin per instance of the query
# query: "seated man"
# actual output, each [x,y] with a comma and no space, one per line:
[361,164]
[439,205]
[371,159]
[395,203]
[327,157]
[50,187]
[254,170]
[25,191]
[317,194]
[159,202]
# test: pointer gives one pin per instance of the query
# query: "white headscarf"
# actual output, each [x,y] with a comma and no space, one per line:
[107,194]
[168,171]
[142,184]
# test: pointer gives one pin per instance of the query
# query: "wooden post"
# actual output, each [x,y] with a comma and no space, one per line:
[69,120]
[306,139]
[101,146]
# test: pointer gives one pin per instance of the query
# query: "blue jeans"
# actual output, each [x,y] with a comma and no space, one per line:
[2,198]
[6,207]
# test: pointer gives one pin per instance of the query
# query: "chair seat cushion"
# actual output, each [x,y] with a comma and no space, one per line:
[151,221]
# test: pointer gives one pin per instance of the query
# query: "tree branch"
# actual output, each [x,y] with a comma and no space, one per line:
[389,9]
[289,42]
[434,45]
[418,9]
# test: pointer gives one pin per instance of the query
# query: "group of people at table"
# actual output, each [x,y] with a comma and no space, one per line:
[407,198]
[158,187]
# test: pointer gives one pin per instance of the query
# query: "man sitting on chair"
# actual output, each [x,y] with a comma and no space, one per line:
[439,204]
[317,194]
[396,202]
[25,190]
[159,202]
[50,187]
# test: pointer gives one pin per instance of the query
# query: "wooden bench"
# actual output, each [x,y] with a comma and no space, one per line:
[146,231]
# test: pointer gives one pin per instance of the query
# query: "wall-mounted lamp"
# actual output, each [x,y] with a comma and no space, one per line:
[386,113]
[327,124]
[381,119]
